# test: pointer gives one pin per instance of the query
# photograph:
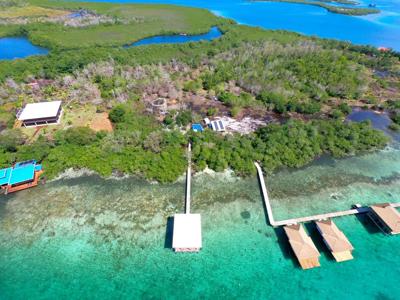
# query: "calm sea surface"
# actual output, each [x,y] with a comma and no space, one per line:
[378,30]
[92,238]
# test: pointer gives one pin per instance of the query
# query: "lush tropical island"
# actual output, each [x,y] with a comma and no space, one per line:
[301,87]
[337,9]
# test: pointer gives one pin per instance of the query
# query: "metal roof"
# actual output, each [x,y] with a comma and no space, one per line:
[5,176]
[389,215]
[217,125]
[19,174]
[333,237]
[187,231]
[301,243]
[40,110]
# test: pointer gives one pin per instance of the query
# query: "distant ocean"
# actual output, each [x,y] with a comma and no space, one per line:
[378,30]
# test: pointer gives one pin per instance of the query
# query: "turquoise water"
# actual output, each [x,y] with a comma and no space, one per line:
[378,30]
[179,39]
[91,238]
[18,47]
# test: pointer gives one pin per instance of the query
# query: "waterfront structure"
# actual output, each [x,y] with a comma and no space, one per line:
[42,113]
[341,213]
[335,240]
[21,176]
[303,247]
[187,233]
[386,217]
[187,227]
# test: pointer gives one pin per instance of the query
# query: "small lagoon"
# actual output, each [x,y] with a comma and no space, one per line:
[19,47]
[179,38]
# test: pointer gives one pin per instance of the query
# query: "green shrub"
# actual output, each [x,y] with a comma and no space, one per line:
[184,117]
[396,118]
[10,139]
[80,136]
[345,108]
[337,114]
[117,114]
[394,127]
[212,111]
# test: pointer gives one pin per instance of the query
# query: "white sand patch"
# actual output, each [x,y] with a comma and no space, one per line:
[245,126]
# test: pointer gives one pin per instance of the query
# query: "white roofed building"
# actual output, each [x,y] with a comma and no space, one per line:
[217,125]
[43,113]
[187,233]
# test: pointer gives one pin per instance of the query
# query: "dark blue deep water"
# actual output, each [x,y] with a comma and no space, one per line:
[179,39]
[378,30]
[18,47]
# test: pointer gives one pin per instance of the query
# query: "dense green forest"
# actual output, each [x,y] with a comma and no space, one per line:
[139,145]
[305,85]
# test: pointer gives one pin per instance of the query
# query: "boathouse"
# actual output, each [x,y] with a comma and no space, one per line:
[42,113]
[302,245]
[21,176]
[335,240]
[387,216]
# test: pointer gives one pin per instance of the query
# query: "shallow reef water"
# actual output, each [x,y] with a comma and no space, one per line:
[86,237]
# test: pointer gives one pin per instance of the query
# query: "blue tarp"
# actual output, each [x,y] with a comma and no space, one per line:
[197,128]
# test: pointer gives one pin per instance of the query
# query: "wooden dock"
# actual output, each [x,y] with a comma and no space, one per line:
[304,219]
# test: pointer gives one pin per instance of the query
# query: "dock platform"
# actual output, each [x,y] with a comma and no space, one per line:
[187,233]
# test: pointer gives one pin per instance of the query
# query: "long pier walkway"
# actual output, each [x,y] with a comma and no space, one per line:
[303,219]
[186,236]
[188,179]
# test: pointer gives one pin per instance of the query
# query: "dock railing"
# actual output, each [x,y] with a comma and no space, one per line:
[304,219]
